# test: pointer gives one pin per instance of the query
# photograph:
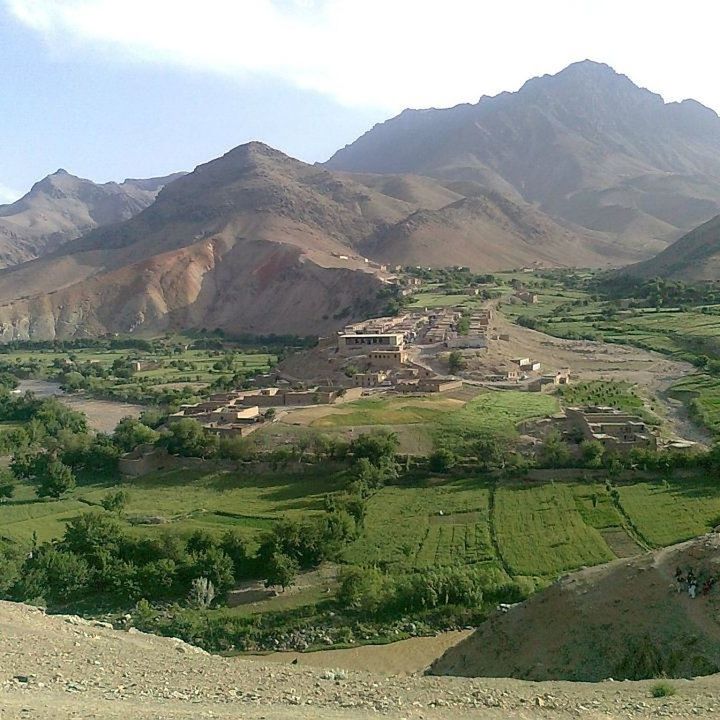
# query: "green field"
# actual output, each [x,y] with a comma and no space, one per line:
[388,411]
[548,530]
[538,530]
[491,412]
[404,526]
[665,513]
[180,502]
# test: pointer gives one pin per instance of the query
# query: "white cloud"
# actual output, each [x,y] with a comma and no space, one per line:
[8,195]
[392,54]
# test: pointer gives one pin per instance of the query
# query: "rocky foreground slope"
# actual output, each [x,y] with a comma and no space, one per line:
[628,619]
[64,667]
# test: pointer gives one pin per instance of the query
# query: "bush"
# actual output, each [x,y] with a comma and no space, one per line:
[663,689]
[442,460]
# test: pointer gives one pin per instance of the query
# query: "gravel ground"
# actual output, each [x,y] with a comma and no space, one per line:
[63,667]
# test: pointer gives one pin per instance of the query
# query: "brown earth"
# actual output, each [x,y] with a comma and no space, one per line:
[626,619]
[57,668]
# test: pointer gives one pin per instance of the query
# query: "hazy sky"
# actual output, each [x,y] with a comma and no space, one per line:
[110,89]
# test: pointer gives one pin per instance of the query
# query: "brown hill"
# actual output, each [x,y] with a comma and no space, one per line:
[490,232]
[253,241]
[621,620]
[695,257]
[586,145]
[62,207]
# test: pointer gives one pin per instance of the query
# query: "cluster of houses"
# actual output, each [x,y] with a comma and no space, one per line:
[240,412]
[380,344]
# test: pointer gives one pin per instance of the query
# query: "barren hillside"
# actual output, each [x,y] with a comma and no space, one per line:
[627,619]
[62,207]
[695,257]
[586,145]
[251,242]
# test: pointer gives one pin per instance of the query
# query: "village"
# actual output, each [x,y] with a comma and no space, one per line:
[427,351]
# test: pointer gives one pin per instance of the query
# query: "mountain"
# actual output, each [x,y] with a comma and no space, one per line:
[253,241]
[488,231]
[586,146]
[62,207]
[693,258]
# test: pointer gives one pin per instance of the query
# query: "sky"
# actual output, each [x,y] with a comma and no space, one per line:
[109,89]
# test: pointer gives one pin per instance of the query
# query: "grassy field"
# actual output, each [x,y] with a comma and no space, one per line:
[491,412]
[180,502]
[420,535]
[550,529]
[665,513]
[537,530]
[388,411]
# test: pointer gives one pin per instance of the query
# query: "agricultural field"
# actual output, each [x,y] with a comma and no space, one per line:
[421,423]
[549,530]
[669,512]
[493,412]
[421,527]
[701,394]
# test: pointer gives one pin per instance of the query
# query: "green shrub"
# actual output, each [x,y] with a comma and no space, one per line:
[663,689]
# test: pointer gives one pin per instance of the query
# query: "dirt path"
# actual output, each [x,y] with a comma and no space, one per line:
[102,415]
[407,657]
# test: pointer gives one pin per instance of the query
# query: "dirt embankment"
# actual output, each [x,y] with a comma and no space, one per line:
[55,668]
[628,619]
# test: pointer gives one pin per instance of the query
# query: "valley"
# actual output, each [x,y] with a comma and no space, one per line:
[446,404]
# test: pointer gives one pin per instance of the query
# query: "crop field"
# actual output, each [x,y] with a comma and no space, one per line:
[404,526]
[437,299]
[701,394]
[388,411]
[546,530]
[665,513]
[538,530]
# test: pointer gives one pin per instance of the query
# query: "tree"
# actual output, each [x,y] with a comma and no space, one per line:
[55,480]
[495,450]
[7,485]
[115,501]
[456,362]
[442,460]
[281,570]
[215,565]
[130,433]
[53,573]
[202,592]
[374,446]
[188,438]
[592,452]
[554,451]
[94,535]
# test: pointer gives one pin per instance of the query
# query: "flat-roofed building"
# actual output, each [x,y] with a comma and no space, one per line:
[350,343]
